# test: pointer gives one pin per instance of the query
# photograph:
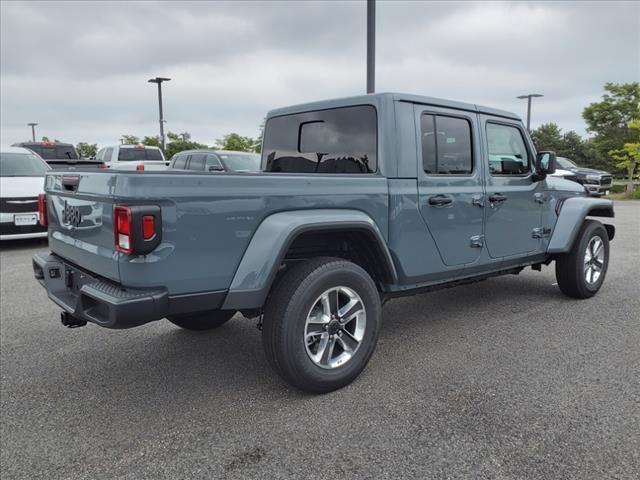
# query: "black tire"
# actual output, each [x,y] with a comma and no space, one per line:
[570,267]
[206,320]
[286,311]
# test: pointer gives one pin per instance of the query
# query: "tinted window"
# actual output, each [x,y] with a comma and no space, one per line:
[241,162]
[153,154]
[21,165]
[446,145]
[197,161]
[180,161]
[139,154]
[55,152]
[340,140]
[131,154]
[507,152]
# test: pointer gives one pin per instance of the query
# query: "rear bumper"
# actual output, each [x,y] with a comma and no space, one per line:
[88,297]
[10,231]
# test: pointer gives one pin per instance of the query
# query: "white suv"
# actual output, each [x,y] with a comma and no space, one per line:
[133,157]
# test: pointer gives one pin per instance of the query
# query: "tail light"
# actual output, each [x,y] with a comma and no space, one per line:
[43,218]
[123,229]
[137,228]
[102,165]
[140,168]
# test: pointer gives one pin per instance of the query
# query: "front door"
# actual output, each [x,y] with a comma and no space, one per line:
[450,182]
[514,199]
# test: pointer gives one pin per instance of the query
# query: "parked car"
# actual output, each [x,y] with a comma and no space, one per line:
[21,180]
[60,155]
[216,161]
[360,200]
[132,157]
[595,182]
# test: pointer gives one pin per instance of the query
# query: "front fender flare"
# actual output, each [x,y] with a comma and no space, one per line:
[573,211]
[262,258]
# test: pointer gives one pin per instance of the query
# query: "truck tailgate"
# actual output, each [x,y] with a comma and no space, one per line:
[80,208]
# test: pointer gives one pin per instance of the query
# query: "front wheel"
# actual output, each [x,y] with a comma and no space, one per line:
[580,273]
[321,324]
[202,320]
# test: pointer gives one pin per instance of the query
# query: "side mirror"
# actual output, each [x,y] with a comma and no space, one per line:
[216,168]
[545,164]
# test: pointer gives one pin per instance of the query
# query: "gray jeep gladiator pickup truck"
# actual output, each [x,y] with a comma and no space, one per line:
[359,200]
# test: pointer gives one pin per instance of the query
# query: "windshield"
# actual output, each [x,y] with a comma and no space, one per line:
[240,162]
[55,152]
[21,165]
[565,163]
[137,154]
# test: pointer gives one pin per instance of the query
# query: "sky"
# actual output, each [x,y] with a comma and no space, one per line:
[80,69]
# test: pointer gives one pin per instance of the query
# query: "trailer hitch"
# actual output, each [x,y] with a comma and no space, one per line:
[70,321]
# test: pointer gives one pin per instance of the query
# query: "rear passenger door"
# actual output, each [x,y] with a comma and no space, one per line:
[450,182]
[514,200]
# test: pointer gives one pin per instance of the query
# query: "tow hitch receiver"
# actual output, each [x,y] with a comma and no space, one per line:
[70,321]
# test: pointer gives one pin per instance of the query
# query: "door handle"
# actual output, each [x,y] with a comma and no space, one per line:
[439,200]
[497,198]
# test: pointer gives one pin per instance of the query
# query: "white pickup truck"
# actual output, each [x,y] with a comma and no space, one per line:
[133,157]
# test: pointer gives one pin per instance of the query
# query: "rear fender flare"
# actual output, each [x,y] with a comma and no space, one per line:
[262,258]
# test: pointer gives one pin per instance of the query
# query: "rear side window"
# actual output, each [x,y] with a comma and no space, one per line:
[339,140]
[197,161]
[180,161]
[446,145]
[507,151]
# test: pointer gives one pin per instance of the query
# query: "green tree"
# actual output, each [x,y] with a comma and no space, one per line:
[151,141]
[130,140]
[87,150]
[234,141]
[628,157]
[570,145]
[573,147]
[180,143]
[547,136]
[609,120]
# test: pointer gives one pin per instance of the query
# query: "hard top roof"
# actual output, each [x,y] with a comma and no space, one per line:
[400,97]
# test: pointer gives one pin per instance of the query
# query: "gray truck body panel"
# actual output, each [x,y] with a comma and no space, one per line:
[224,235]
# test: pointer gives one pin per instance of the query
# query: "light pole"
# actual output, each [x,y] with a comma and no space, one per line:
[159,81]
[529,96]
[33,130]
[371,46]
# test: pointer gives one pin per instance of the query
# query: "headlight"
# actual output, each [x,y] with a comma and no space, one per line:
[593,178]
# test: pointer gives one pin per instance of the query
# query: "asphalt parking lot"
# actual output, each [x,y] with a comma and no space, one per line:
[502,379]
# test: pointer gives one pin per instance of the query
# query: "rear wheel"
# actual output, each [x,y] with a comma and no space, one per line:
[321,324]
[580,273]
[202,320]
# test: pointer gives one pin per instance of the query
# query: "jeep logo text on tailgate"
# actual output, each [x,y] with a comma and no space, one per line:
[71,215]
